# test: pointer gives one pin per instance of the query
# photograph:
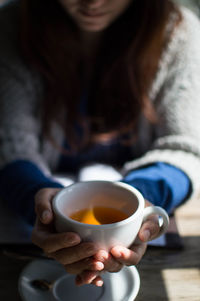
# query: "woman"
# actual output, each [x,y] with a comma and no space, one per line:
[104,81]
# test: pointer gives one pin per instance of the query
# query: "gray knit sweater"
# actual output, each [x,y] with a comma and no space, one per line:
[175,94]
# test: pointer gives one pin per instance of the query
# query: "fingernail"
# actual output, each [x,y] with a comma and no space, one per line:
[117,254]
[146,235]
[72,240]
[99,282]
[99,266]
[46,215]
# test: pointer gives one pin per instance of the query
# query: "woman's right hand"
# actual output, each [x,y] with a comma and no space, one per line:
[66,248]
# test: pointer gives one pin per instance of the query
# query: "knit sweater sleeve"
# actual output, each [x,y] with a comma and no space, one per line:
[19,123]
[23,168]
[175,93]
[20,92]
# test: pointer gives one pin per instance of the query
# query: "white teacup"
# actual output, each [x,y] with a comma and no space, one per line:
[117,195]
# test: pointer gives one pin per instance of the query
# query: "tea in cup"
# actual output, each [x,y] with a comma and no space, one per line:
[99,215]
[107,213]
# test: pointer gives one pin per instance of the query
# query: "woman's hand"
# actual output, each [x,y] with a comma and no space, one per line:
[120,256]
[132,256]
[81,258]
[66,248]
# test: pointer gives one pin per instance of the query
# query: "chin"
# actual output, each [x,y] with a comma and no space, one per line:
[92,27]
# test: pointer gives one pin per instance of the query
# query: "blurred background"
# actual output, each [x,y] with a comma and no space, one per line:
[192,4]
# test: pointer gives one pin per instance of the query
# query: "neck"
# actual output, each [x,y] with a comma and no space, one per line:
[90,42]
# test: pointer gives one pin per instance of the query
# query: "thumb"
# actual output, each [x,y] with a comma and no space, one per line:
[43,207]
[149,229]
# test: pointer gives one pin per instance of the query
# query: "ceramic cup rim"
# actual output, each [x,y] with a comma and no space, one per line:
[125,186]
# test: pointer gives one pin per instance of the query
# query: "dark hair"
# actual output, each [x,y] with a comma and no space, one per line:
[124,68]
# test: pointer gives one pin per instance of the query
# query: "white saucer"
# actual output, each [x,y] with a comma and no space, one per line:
[121,286]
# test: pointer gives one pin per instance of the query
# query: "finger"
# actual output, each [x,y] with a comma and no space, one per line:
[53,242]
[86,277]
[85,264]
[41,227]
[74,254]
[149,229]
[110,263]
[98,281]
[43,206]
[130,256]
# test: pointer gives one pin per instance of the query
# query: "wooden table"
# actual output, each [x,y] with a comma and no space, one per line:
[165,274]
[175,275]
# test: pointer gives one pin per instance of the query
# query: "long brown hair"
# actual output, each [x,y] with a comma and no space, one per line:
[123,72]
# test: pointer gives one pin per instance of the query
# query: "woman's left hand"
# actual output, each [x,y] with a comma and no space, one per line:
[120,256]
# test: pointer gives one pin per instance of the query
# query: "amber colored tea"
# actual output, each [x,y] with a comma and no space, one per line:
[99,215]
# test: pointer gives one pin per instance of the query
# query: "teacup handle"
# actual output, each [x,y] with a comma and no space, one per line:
[161,212]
